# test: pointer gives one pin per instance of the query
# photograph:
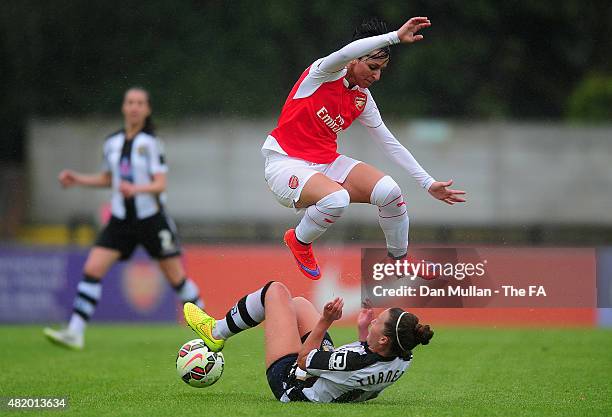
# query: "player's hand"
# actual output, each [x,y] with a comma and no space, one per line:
[333,310]
[67,178]
[127,189]
[438,190]
[366,314]
[406,33]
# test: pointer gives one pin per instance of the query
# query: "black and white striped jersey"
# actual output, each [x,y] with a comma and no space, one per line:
[135,161]
[350,373]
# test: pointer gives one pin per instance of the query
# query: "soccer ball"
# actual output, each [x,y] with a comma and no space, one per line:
[197,365]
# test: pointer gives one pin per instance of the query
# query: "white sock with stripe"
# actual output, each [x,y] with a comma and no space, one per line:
[189,292]
[392,215]
[320,216]
[89,292]
[247,313]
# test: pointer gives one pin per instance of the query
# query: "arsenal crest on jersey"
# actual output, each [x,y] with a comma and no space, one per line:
[294,182]
[360,101]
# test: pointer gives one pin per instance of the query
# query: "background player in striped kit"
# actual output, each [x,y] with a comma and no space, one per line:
[303,168]
[135,168]
[301,362]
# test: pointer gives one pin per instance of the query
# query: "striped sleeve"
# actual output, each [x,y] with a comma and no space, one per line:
[319,363]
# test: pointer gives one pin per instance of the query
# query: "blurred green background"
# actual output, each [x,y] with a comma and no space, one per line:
[482,61]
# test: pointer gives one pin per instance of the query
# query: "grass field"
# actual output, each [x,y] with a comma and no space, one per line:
[129,371]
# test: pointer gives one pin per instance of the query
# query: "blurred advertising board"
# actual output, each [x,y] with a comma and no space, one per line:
[38,285]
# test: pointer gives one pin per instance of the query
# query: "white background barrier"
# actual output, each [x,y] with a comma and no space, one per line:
[514,173]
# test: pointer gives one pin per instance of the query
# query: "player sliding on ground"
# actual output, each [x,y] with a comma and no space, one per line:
[303,168]
[301,362]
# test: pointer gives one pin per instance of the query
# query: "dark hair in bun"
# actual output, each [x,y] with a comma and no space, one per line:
[423,333]
[405,332]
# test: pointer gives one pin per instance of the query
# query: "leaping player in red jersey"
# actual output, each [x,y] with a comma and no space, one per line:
[303,168]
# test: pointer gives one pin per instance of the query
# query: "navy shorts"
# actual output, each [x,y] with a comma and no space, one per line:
[279,373]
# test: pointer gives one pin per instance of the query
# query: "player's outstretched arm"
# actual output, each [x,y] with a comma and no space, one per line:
[366,314]
[361,47]
[440,191]
[331,312]
[69,178]
[403,157]
[394,150]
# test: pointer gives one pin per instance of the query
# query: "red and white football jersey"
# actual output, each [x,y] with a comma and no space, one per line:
[319,106]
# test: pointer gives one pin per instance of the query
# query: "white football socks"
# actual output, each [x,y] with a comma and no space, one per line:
[189,292]
[320,216]
[248,312]
[89,292]
[392,215]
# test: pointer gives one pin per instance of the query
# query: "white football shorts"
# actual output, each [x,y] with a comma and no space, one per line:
[286,176]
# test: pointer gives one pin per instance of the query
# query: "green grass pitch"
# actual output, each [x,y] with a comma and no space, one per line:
[128,370]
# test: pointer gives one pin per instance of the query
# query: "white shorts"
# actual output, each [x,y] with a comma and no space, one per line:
[286,176]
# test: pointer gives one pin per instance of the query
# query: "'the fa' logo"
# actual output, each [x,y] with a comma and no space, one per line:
[294,182]
[360,101]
